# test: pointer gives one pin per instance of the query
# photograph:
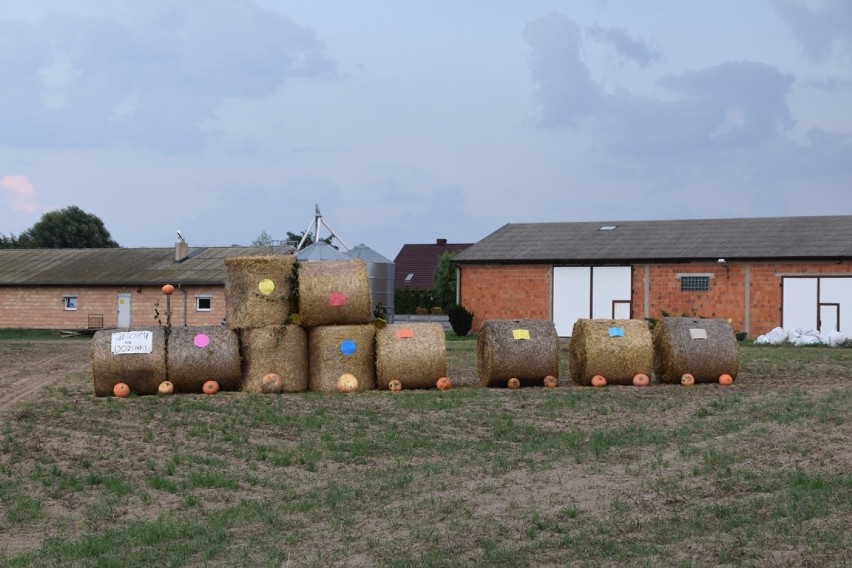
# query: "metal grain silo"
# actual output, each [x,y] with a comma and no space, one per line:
[381,271]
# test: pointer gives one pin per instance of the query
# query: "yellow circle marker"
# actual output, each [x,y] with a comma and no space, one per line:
[266,286]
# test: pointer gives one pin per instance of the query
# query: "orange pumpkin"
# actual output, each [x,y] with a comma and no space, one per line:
[168,289]
[551,382]
[271,383]
[395,386]
[687,380]
[641,380]
[513,383]
[598,381]
[726,379]
[210,387]
[121,390]
[166,388]
[347,383]
[444,383]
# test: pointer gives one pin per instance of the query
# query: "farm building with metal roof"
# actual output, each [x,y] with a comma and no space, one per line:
[761,273]
[114,287]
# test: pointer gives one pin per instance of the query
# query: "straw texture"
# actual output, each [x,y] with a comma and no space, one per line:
[334,292]
[616,349]
[679,347]
[257,290]
[415,354]
[200,354]
[500,356]
[142,372]
[279,349]
[338,349]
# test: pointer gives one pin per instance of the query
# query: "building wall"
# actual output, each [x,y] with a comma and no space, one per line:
[506,291]
[42,307]
[749,294]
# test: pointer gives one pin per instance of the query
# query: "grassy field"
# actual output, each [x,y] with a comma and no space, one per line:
[756,474]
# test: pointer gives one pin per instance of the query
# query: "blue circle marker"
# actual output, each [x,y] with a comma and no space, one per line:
[347,347]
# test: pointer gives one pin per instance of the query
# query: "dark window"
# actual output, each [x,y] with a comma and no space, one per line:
[694,283]
[203,304]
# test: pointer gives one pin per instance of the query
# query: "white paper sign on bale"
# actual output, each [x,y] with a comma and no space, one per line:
[129,342]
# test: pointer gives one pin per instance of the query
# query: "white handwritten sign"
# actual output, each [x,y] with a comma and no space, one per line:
[129,342]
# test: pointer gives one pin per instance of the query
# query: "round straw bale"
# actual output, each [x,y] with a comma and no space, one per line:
[200,354]
[337,349]
[415,354]
[527,349]
[616,349]
[279,349]
[135,357]
[705,348]
[334,292]
[257,290]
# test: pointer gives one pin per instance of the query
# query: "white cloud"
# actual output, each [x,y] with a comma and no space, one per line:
[18,193]
[147,77]
[820,29]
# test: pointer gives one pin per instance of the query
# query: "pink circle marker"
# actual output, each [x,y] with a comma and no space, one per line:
[201,340]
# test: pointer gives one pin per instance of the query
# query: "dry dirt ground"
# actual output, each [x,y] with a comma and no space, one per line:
[26,367]
[501,502]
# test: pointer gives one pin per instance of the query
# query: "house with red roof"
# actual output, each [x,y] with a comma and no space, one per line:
[415,263]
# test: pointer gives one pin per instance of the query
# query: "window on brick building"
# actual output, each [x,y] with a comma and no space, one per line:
[69,302]
[694,283]
[203,303]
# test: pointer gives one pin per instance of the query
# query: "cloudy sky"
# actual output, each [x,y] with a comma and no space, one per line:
[409,121]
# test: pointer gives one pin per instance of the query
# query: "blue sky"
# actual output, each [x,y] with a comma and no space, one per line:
[409,121]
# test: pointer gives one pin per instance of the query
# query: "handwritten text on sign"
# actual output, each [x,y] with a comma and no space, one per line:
[127,342]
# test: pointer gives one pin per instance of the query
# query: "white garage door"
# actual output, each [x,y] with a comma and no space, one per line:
[589,292]
[821,303]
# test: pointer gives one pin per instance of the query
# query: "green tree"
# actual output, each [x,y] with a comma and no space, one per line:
[9,242]
[296,238]
[265,239]
[262,240]
[445,281]
[67,228]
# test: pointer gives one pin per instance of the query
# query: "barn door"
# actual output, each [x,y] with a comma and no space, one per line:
[799,304]
[836,290]
[602,292]
[829,317]
[572,291]
[123,310]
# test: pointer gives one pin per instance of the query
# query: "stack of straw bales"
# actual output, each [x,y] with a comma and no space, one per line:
[200,354]
[141,370]
[414,354]
[334,306]
[705,348]
[616,349]
[258,302]
[525,349]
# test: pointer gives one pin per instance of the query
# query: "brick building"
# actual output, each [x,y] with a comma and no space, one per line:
[79,289]
[793,272]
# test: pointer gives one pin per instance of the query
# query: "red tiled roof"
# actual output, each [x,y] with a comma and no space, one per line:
[421,261]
